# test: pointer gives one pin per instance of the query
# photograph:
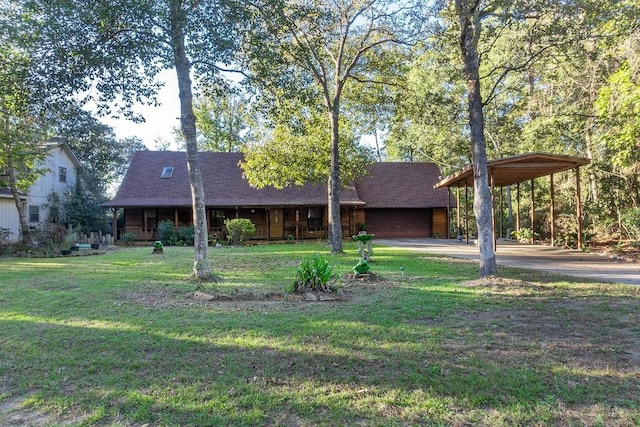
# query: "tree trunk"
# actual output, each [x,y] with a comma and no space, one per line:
[335,222]
[468,13]
[25,233]
[201,265]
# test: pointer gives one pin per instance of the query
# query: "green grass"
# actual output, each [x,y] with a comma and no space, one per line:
[118,339]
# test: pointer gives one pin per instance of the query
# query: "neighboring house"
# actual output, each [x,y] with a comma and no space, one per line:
[395,199]
[61,174]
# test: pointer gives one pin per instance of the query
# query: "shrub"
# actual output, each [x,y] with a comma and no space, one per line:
[314,274]
[166,231]
[524,235]
[185,236]
[128,238]
[170,236]
[239,230]
[630,223]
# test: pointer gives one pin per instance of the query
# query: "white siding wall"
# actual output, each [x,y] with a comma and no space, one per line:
[9,218]
[39,191]
[50,182]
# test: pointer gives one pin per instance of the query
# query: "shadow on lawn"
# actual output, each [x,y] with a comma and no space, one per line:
[461,358]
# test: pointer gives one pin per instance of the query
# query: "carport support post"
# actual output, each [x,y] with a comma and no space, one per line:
[533,210]
[466,212]
[458,211]
[578,208]
[501,212]
[493,210]
[553,211]
[518,206]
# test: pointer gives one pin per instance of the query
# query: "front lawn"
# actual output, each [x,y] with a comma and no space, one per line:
[119,339]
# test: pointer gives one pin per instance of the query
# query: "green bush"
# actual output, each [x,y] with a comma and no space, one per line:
[630,222]
[128,238]
[166,231]
[239,230]
[170,236]
[314,274]
[524,235]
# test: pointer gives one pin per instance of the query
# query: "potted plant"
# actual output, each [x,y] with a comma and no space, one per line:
[362,228]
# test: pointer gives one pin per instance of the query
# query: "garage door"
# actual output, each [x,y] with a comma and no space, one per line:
[399,222]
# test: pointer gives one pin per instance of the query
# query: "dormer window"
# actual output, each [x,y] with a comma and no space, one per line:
[167,172]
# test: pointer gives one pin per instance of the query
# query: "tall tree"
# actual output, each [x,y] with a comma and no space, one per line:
[223,119]
[294,151]
[468,12]
[314,48]
[23,117]
[114,49]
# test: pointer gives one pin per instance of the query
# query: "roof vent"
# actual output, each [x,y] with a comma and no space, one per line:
[167,172]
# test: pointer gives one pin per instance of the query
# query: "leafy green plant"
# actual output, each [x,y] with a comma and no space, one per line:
[630,223]
[362,267]
[128,238]
[70,240]
[166,231]
[170,236]
[314,274]
[239,230]
[524,235]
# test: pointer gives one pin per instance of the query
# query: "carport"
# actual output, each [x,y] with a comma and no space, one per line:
[515,170]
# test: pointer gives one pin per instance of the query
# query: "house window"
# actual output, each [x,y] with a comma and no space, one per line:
[34,213]
[217,218]
[167,172]
[63,174]
[314,217]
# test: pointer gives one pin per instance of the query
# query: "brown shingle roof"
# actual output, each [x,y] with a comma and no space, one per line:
[402,185]
[224,184]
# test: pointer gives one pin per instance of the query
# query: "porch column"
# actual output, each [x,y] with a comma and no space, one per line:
[268,223]
[268,213]
[297,223]
[175,219]
[578,208]
[114,226]
[146,228]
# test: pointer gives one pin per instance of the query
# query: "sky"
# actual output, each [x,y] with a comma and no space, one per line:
[159,121]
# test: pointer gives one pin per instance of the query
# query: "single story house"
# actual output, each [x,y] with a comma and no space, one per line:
[62,168]
[393,199]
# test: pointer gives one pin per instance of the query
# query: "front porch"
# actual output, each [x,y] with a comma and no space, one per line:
[272,223]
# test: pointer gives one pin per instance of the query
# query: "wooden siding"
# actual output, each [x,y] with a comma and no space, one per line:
[440,223]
